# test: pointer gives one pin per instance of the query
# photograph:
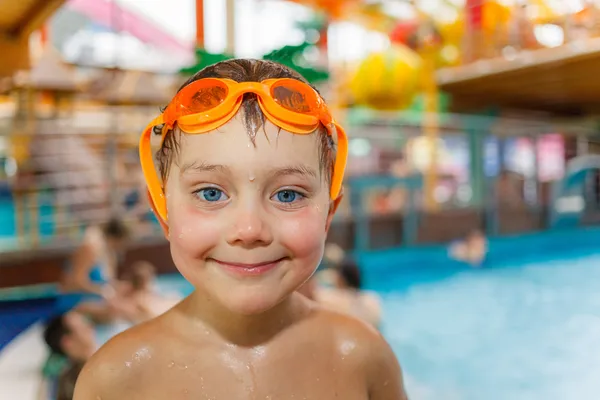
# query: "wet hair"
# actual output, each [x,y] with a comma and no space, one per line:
[54,332]
[116,229]
[244,70]
[350,273]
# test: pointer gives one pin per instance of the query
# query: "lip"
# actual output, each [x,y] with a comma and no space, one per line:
[249,269]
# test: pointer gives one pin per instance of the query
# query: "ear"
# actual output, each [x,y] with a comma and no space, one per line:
[163,223]
[332,209]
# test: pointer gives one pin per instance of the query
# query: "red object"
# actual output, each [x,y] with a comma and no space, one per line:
[403,32]
[44,34]
[474,11]
[323,37]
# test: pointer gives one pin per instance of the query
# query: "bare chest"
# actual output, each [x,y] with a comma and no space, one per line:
[296,374]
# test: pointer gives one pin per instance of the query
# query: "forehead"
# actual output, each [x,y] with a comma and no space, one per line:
[231,145]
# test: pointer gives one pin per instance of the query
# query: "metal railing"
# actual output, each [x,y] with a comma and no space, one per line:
[63,181]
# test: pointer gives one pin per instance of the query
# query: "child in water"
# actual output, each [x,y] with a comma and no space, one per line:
[251,165]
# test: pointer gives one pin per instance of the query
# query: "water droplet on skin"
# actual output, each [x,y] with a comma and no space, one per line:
[171,364]
[181,235]
[251,178]
[128,364]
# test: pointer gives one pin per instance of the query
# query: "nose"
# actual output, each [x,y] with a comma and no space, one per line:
[250,228]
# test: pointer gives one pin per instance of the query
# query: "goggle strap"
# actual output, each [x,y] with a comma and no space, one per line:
[147,162]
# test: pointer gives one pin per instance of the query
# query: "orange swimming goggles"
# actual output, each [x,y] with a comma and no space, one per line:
[209,103]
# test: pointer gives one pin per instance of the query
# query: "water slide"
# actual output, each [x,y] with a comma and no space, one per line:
[19,19]
[103,13]
[568,201]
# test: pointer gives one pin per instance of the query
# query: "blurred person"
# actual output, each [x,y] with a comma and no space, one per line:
[88,280]
[138,298]
[326,274]
[472,249]
[347,296]
[71,337]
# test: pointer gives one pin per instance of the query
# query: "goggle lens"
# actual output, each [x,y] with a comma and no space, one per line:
[292,99]
[204,99]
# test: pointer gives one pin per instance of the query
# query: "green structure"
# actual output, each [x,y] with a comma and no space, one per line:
[290,56]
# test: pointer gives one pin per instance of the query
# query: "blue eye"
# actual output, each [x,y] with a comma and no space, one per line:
[287,196]
[211,194]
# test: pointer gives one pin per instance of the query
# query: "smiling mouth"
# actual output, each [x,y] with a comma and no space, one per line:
[249,269]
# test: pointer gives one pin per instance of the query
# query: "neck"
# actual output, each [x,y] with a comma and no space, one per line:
[244,330]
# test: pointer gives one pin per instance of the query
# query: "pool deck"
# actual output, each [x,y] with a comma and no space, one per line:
[21,364]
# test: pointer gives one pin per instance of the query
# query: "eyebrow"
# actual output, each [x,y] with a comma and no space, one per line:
[301,170]
[202,167]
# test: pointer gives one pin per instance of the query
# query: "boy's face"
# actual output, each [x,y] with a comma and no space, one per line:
[247,223]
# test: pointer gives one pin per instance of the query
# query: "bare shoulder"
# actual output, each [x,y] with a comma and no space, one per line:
[369,347]
[121,363]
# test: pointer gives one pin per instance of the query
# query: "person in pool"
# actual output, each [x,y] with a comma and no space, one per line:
[88,280]
[138,298]
[251,165]
[472,249]
[347,295]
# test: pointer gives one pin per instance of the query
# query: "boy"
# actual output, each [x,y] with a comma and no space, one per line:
[250,181]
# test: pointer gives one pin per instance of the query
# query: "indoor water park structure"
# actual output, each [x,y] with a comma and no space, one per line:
[469,121]
[477,118]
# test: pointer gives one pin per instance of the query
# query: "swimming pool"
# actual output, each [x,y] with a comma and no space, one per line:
[527,326]
[527,332]
[524,331]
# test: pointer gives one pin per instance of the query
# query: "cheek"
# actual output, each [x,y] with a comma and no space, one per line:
[303,232]
[191,231]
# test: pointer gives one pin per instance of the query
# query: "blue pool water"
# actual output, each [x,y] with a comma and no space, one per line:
[529,331]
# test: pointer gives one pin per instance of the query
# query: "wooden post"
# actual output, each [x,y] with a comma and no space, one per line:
[431,128]
[230,47]
[199,24]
